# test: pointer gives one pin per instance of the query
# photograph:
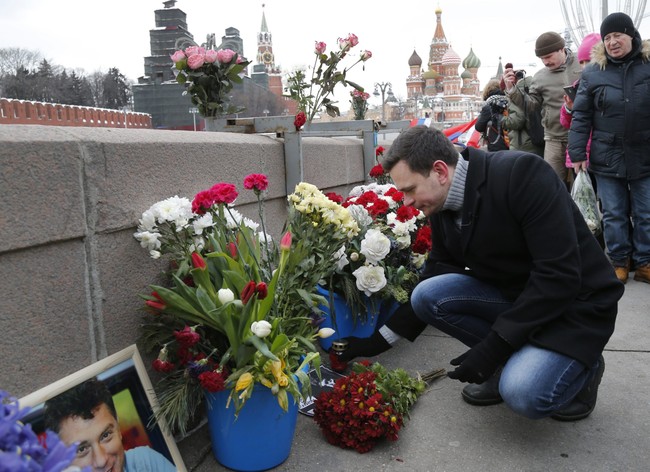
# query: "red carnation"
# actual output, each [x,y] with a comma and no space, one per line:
[395,194]
[422,243]
[379,151]
[212,381]
[300,120]
[223,193]
[405,213]
[377,171]
[187,337]
[257,182]
[162,366]
[202,202]
[335,197]
[378,208]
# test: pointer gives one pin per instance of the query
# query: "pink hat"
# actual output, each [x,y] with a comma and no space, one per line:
[588,43]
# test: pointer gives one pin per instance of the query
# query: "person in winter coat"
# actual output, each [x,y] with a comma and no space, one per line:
[517,124]
[584,56]
[612,106]
[489,122]
[546,91]
[514,273]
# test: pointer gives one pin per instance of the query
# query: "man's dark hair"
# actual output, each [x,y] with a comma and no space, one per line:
[419,147]
[81,401]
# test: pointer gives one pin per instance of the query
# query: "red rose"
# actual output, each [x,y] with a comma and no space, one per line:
[212,381]
[379,151]
[257,182]
[187,337]
[300,120]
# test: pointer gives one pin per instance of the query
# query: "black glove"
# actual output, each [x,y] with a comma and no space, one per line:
[364,347]
[480,362]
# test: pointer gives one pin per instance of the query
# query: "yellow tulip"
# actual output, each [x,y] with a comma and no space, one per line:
[243,381]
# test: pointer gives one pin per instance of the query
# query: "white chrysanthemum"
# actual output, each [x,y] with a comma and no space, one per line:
[370,279]
[148,221]
[401,227]
[250,223]
[202,222]
[375,246]
[233,218]
[148,239]
[174,209]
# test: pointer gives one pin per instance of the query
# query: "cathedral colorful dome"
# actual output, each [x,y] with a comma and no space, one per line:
[450,58]
[415,60]
[471,61]
[466,74]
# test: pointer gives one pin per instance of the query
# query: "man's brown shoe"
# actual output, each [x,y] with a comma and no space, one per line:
[622,273]
[642,274]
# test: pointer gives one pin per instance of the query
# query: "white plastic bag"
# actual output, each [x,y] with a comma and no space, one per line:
[585,198]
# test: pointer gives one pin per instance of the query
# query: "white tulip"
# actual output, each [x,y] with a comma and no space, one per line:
[325,332]
[261,329]
[225,295]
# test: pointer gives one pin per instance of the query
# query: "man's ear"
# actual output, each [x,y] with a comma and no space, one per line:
[442,170]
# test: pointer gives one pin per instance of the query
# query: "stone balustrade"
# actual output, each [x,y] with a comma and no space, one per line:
[71,271]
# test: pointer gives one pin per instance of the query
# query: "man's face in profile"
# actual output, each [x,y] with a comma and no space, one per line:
[99,440]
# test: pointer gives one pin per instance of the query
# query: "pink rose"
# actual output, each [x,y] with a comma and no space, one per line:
[320,47]
[196,61]
[210,55]
[349,42]
[365,55]
[190,51]
[353,40]
[178,56]
[225,55]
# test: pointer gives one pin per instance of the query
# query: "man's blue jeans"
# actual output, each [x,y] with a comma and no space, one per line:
[534,382]
[621,200]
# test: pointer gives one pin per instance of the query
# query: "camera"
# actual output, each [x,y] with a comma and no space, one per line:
[520,74]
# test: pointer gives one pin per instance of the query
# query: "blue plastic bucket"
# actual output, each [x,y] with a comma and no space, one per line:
[346,325]
[261,436]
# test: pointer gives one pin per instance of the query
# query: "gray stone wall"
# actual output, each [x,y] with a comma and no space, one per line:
[70,269]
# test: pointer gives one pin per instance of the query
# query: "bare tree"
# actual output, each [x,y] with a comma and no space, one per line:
[13,59]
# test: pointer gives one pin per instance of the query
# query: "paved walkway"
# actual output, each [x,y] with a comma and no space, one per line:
[446,434]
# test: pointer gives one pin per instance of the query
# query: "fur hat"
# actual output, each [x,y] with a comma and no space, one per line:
[617,23]
[588,43]
[548,42]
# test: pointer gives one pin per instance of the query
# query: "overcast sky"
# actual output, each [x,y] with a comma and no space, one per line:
[96,35]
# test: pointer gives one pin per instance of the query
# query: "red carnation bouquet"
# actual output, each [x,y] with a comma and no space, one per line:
[368,405]
[384,260]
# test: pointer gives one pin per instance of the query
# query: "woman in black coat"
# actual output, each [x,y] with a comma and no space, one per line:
[490,120]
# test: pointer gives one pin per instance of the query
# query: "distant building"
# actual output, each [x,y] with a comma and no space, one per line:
[158,93]
[440,91]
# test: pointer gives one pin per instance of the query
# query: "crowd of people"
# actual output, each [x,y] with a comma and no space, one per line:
[514,272]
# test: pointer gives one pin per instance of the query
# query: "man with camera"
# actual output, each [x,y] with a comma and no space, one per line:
[546,91]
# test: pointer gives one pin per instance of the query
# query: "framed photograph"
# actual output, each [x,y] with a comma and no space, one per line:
[125,376]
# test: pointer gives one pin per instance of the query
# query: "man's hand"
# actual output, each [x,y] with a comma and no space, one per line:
[509,79]
[480,362]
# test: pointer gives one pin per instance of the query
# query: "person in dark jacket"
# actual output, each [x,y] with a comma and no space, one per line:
[613,104]
[490,120]
[514,273]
